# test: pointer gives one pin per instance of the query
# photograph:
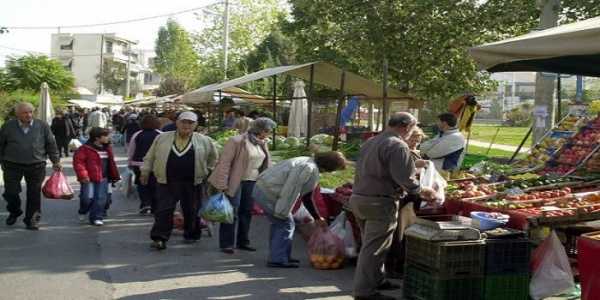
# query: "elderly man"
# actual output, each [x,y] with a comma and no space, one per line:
[384,171]
[447,150]
[24,145]
[181,161]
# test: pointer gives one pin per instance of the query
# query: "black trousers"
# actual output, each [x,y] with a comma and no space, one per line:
[34,177]
[168,195]
[63,144]
[147,193]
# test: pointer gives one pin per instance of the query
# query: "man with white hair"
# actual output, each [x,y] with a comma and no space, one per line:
[385,170]
[25,143]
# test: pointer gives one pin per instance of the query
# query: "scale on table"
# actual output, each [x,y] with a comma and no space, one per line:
[444,228]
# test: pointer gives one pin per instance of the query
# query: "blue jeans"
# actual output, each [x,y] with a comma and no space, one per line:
[92,199]
[242,203]
[281,237]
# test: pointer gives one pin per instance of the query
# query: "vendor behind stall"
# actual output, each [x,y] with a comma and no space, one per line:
[447,150]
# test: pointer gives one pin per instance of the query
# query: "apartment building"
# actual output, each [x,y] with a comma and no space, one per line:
[83,54]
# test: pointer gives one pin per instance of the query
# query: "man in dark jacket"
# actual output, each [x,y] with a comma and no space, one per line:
[63,131]
[25,143]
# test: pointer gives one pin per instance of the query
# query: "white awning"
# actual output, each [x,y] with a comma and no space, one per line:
[324,74]
[209,95]
[568,49]
[85,103]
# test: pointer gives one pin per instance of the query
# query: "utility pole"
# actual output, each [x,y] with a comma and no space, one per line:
[127,72]
[544,84]
[225,38]
[101,81]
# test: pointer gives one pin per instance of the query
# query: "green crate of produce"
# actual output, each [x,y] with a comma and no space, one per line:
[507,256]
[502,287]
[448,259]
[421,284]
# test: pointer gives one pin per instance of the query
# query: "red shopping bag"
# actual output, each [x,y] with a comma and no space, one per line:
[57,187]
[326,250]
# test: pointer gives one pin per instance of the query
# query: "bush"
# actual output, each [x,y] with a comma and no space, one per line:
[519,117]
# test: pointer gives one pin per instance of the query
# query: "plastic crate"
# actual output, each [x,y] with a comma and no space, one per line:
[504,256]
[420,284]
[448,259]
[503,287]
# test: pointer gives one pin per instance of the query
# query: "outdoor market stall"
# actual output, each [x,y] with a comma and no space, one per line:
[320,73]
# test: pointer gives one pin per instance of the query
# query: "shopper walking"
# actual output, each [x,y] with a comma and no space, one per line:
[244,157]
[131,127]
[138,147]
[96,119]
[181,161]
[63,131]
[94,164]
[25,143]
[384,167]
[280,189]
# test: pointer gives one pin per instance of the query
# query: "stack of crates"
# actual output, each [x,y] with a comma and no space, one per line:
[444,270]
[507,269]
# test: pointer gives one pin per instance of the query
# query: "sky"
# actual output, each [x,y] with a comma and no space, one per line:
[20,13]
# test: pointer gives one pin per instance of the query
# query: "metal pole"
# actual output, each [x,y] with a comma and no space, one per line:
[385,93]
[338,115]
[127,83]
[220,109]
[558,98]
[225,38]
[310,101]
[101,83]
[521,144]
[274,109]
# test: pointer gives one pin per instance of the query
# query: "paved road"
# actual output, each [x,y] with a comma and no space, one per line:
[67,260]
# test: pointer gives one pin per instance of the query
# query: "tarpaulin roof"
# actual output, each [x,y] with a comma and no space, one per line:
[207,94]
[324,74]
[568,49]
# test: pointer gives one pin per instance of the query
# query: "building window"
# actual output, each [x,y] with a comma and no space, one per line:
[68,46]
[109,47]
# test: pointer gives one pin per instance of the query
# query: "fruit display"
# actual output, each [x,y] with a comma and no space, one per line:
[588,136]
[593,164]
[574,155]
[462,175]
[487,167]
[530,180]
[468,189]
[541,195]
[569,124]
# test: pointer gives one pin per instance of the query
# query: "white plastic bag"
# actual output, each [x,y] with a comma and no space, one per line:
[342,228]
[552,274]
[429,177]
[74,144]
[302,216]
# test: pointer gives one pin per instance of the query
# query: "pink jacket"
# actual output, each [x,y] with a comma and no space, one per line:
[232,164]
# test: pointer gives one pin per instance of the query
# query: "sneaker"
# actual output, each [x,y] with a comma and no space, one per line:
[82,218]
[158,245]
[145,210]
[98,223]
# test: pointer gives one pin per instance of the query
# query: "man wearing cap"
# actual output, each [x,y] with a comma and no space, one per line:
[181,161]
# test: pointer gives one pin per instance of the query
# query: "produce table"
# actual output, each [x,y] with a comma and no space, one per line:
[464,208]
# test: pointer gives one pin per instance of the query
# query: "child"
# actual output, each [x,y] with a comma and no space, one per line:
[95,166]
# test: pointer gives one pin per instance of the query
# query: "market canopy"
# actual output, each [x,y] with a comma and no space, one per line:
[208,94]
[568,49]
[85,103]
[324,74]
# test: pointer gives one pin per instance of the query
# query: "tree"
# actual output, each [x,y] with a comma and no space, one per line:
[251,21]
[175,54]
[30,71]
[113,76]
[170,86]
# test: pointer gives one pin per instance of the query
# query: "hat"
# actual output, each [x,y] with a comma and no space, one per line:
[188,115]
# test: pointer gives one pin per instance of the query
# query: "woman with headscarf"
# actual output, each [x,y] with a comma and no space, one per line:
[244,157]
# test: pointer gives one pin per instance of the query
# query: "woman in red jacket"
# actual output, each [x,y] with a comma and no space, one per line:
[95,166]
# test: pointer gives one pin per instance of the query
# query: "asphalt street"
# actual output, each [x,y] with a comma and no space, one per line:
[70,260]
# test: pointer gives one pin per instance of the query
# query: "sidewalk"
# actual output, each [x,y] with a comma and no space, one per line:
[498,146]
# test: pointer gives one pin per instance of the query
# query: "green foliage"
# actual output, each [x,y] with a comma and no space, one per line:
[337,178]
[175,55]
[30,71]
[250,22]
[170,86]
[425,41]
[8,100]
[113,76]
